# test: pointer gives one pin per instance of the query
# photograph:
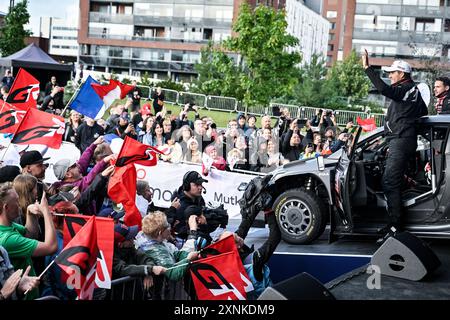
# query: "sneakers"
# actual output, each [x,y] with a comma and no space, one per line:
[390,233]
[258,266]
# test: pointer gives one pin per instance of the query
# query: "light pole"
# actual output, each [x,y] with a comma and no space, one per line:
[11,5]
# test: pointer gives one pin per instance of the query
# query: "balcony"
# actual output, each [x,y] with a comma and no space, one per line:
[99,35]
[397,35]
[109,18]
[400,10]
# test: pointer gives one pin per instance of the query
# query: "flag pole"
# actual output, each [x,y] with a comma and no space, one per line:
[42,273]
[71,99]
[9,144]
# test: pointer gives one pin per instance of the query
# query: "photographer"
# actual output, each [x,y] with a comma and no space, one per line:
[292,142]
[135,96]
[124,127]
[189,194]
[51,103]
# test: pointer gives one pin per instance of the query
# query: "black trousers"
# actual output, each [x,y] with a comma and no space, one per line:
[269,246]
[400,152]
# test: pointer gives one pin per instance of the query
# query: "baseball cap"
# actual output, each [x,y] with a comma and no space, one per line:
[125,116]
[111,213]
[31,157]
[61,196]
[399,65]
[195,177]
[123,232]
[146,109]
[8,173]
[61,167]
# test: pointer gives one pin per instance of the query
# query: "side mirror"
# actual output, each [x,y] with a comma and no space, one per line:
[243,186]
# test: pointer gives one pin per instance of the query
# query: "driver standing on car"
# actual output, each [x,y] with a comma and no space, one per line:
[406,106]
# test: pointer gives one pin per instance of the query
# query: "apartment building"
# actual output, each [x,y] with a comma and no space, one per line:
[309,27]
[62,35]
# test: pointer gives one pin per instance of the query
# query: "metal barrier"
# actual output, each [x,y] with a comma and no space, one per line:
[189,97]
[146,92]
[221,103]
[170,96]
[379,119]
[306,112]
[344,116]
[293,110]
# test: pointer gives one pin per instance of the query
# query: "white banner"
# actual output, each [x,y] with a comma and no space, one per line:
[221,188]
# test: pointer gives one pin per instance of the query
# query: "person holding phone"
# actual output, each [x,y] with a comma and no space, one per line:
[292,142]
[406,106]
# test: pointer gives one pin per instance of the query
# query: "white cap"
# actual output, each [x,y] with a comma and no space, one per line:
[399,65]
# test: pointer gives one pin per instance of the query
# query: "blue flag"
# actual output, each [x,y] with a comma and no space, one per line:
[87,101]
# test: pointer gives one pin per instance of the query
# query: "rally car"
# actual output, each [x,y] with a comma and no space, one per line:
[344,189]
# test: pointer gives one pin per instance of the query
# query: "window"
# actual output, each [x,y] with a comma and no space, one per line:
[332,36]
[330,47]
[333,25]
[331,14]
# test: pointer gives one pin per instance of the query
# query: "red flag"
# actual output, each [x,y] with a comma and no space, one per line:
[219,278]
[24,91]
[133,151]
[112,91]
[367,124]
[122,189]
[105,241]
[223,246]
[10,118]
[78,260]
[39,127]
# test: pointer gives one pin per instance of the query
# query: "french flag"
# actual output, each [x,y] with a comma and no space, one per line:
[112,91]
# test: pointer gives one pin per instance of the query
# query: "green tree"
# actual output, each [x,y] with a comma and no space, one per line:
[267,70]
[13,32]
[349,79]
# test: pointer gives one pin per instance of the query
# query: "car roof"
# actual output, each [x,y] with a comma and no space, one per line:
[437,119]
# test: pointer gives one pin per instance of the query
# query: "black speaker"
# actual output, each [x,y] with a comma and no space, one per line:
[405,256]
[300,287]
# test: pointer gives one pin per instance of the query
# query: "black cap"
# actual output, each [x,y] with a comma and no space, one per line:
[61,196]
[31,157]
[195,177]
[189,211]
[8,173]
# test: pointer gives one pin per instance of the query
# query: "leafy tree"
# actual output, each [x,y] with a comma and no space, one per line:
[13,32]
[267,69]
[349,79]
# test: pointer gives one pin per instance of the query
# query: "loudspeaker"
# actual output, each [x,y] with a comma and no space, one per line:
[300,287]
[405,256]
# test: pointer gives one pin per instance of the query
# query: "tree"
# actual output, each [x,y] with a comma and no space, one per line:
[13,32]
[267,69]
[349,79]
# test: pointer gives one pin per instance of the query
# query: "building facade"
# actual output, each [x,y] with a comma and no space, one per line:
[63,36]
[309,27]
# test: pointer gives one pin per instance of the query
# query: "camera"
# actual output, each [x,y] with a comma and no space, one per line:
[217,217]
[310,145]
[301,123]
[329,113]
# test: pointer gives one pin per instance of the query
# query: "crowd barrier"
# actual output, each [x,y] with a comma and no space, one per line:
[230,104]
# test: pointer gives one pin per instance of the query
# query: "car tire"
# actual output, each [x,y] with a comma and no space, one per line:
[300,216]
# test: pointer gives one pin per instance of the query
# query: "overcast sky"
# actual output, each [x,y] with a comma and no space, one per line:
[67,9]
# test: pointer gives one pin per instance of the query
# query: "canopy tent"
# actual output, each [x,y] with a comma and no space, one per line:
[39,64]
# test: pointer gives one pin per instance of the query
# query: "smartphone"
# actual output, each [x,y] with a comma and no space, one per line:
[301,123]
[169,111]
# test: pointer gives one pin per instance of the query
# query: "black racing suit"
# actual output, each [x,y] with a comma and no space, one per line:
[406,106]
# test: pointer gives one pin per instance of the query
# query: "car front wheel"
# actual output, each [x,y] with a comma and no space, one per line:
[300,216]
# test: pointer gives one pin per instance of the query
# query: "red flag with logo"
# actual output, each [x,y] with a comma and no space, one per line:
[133,151]
[367,124]
[24,91]
[10,118]
[122,189]
[219,277]
[39,127]
[223,246]
[79,259]
[105,241]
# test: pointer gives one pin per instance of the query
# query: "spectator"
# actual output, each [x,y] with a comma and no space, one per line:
[174,152]
[193,153]
[216,161]
[8,173]
[8,79]
[135,95]
[292,143]
[13,285]
[4,92]
[114,116]
[32,163]
[87,133]
[13,236]
[242,126]
[143,113]
[259,159]
[158,100]
[72,126]
[167,129]
[145,135]
[26,187]
[53,102]
[251,127]
[441,91]
[183,135]
[124,127]
[157,135]
[50,85]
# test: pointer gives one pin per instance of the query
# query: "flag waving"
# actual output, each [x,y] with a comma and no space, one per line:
[133,151]
[122,189]
[24,91]
[220,278]
[39,127]
[112,91]
[367,124]
[78,260]
[10,118]
[87,102]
